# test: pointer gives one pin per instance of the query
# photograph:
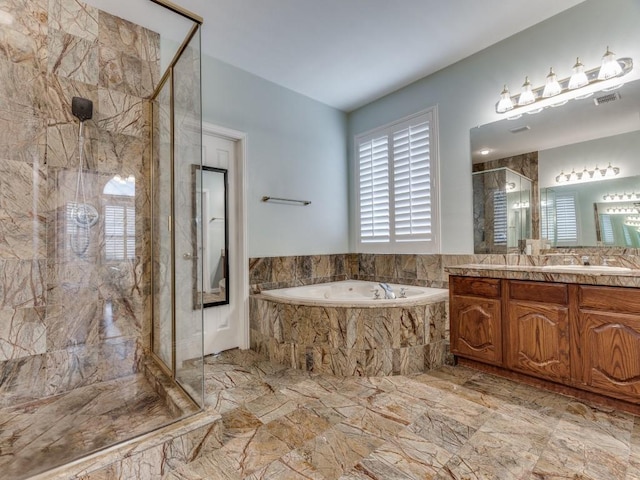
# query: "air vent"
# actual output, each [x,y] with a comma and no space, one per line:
[520,129]
[610,97]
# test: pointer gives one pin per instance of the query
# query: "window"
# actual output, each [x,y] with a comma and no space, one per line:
[119,219]
[119,232]
[566,219]
[500,225]
[396,172]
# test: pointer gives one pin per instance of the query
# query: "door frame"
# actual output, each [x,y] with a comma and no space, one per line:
[241,280]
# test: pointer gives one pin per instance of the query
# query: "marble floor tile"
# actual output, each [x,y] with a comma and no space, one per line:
[451,423]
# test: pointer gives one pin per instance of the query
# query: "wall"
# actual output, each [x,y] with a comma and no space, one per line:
[296,148]
[69,318]
[467,91]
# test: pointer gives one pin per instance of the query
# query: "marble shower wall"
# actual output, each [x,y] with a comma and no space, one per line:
[70,313]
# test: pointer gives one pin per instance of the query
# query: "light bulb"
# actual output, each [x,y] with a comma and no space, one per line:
[610,67]
[578,78]
[552,86]
[527,97]
[505,103]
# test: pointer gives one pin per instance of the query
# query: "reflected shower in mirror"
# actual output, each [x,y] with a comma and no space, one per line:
[210,205]
[581,135]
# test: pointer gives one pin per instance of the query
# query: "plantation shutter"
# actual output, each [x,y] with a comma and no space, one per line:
[607,230]
[374,190]
[119,232]
[412,183]
[500,218]
[566,219]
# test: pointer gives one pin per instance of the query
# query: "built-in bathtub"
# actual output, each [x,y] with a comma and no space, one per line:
[340,328]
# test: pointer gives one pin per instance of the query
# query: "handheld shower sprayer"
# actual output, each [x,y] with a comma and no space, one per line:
[84,215]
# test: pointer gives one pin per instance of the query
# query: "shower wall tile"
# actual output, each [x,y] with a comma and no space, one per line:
[22,137]
[75,18]
[22,332]
[22,283]
[69,316]
[73,57]
[22,89]
[121,113]
[25,40]
[119,34]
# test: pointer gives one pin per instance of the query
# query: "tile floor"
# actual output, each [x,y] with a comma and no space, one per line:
[452,423]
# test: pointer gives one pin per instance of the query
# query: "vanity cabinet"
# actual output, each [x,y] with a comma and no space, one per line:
[584,339]
[537,329]
[476,318]
[607,341]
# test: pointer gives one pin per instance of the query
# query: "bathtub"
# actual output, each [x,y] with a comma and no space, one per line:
[340,329]
[355,293]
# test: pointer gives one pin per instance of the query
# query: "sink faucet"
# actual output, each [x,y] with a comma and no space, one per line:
[388,292]
[585,260]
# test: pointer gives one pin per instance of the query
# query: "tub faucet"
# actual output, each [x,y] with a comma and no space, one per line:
[388,292]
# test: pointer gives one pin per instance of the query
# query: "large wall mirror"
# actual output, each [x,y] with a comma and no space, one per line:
[583,137]
[210,208]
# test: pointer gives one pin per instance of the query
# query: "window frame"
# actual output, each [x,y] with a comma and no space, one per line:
[431,246]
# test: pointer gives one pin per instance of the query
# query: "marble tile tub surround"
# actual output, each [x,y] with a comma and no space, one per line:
[267,273]
[66,319]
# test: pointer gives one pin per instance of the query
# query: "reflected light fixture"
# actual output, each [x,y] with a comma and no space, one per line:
[581,84]
[620,197]
[588,175]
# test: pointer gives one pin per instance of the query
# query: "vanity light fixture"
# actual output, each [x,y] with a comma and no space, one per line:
[631,223]
[581,84]
[623,210]
[620,197]
[519,205]
[588,175]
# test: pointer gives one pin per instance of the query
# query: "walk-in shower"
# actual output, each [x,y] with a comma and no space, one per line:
[78,290]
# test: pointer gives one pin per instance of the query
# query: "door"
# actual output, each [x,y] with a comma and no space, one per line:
[222,323]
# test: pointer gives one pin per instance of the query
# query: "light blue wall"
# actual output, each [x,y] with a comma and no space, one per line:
[467,91]
[296,148]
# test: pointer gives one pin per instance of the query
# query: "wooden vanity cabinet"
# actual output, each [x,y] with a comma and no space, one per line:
[606,338]
[536,329]
[582,340]
[476,318]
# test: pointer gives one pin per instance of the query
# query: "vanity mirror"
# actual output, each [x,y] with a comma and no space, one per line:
[598,131]
[210,212]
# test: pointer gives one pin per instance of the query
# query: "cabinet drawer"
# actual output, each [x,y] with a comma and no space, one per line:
[609,299]
[538,292]
[480,287]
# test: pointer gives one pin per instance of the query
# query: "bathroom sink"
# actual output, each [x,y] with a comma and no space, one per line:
[587,269]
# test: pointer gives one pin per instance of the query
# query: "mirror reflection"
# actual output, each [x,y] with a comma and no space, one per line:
[581,137]
[212,232]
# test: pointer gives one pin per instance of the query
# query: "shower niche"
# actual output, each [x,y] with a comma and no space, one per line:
[502,201]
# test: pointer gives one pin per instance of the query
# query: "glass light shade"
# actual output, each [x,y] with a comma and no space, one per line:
[610,67]
[573,177]
[578,78]
[552,86]
[505,103]
[527,96]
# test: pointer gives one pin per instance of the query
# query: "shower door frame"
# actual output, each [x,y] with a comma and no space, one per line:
[168,76]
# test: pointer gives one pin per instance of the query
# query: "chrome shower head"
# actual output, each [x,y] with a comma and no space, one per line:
[82,108]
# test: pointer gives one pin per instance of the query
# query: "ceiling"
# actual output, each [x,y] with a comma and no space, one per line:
[347,53]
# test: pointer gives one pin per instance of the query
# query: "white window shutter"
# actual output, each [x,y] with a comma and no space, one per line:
[500,218]
[373,160]
[566,220]
[412,183]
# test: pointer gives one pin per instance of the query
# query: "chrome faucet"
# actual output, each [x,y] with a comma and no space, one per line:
[585,260]
[388,292]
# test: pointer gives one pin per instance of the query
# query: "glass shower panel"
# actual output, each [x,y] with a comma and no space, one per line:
[161,253]
[188,153]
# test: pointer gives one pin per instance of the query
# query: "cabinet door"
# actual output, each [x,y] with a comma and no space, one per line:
[609,346]
[537,340]
[476,328]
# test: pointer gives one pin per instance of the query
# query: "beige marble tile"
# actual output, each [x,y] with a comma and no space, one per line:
[74,17]
[22,332]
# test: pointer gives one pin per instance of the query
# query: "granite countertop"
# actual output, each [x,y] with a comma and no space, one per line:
[587,275]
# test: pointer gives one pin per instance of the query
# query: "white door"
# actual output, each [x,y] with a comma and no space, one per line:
[222,323]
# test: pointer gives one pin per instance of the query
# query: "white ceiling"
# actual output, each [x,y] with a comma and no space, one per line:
[347,53]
